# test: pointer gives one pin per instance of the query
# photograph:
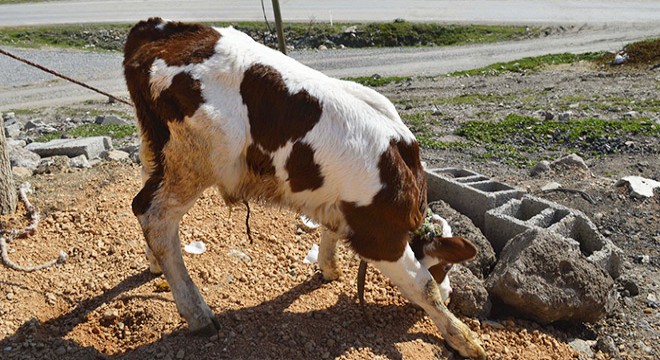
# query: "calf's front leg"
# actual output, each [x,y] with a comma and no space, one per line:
[417,284]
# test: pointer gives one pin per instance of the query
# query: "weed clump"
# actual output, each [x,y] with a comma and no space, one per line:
[517,138]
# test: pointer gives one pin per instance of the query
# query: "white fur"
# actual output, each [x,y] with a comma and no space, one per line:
[346,147]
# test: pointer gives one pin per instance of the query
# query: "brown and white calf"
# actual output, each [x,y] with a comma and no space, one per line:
[217,109]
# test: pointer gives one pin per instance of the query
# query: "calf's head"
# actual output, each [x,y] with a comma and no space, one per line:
[439,253]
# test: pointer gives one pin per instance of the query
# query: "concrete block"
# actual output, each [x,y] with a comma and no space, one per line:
[598,249]
[516,216]
[519,215]
[91,147]
[468,192]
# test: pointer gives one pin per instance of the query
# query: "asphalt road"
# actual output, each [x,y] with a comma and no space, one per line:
[473,11]
[22,86]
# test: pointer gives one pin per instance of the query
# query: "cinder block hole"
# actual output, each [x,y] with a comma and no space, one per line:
[589,240]
[490,186]
[525,209]
[471,179]
[552,218]
[455,173]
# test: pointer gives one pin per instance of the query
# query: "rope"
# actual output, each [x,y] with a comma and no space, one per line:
[263,10]
[247,222]
[584,194]
[53,72]
[24,189]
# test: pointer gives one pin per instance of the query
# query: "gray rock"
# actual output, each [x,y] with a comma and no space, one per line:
[60,351]
[469,296]
[629,285]
[34,124]
[114,155]
[350,29]
[12,129]
[607,345]
[52,165]
[46,129]
[571,161]
[544,114]
[135,156]
[462,226]
[9,117]
[540,168]
[80,162]
[553,185]
[110,120]
[545,277]
[565,116]
[631,115]
[90,147]
[582,346]
[22,157]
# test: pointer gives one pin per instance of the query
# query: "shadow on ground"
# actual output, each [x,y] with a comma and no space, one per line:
[247,333]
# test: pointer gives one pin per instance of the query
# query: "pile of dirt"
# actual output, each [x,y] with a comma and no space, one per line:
[644,53]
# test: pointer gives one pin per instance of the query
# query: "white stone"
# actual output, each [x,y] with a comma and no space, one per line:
[551,186]
[79,161]
[115,155]
[21,172]
[640,187]
[90,147]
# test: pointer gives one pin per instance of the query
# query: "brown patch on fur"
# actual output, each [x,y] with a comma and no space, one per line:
[275,115]
[304,173]
[380,230]
[177,44]
[258,162]
[439,271]
[452,249]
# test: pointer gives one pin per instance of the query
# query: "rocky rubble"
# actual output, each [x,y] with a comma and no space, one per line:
[28,156]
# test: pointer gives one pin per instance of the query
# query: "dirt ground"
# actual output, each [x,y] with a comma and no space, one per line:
[104,303]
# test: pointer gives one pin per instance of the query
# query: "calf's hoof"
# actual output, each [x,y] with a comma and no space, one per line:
[154,268]
[331,273]
[207,330]
[465,343]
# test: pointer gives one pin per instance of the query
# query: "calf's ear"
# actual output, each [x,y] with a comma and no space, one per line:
[451,249]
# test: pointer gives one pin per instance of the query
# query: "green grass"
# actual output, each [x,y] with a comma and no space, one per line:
[87,130]
[114,131]
[516,139]
[424,34]
[529,64]
[473,99]
[378,81]
[421,125]
[107,36]
[112,36]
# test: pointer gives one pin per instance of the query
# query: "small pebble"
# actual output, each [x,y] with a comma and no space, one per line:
[180,354]
[10,295]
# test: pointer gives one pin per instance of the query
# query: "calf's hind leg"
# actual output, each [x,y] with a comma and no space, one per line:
[417,284]
[328,262]
[160,224]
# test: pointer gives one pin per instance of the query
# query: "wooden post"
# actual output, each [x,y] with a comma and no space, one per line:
[7,189]
[278,26]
